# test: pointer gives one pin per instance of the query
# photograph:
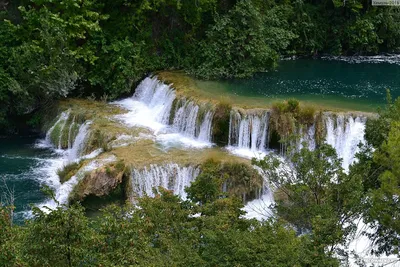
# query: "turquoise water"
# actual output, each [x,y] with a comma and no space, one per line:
[26,167]
[335,83]
[23,167]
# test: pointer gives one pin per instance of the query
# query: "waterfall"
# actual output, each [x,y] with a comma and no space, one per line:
[344,134]
[185,118]
[170,176]
[79,144]
[61,119]
[206,127]
[155,105]
[307,136]
[70,133]
[158,97]
[249,131]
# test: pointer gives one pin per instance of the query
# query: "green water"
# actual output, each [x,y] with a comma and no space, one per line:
[330,83]
[24,168]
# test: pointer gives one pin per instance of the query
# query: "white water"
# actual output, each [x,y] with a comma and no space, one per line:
[77,148]
[344,134]
[70,141]
[307,136]
[185,119]
[206,127]
[151,107]
[170,176]
[391,59]
[362,246]
[50,168]
[248,133]
[61,119]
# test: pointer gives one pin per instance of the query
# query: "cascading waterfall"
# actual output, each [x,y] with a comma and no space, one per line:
[249,131]
[79,144]
[170,176]
[61,119]
[157,96]
[155,105]
[185,118]
[344,134]
[206,127]
[74,153]
[70,133]
[307,136]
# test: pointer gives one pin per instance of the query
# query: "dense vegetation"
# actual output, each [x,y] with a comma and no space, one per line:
[51,49]
[315,215]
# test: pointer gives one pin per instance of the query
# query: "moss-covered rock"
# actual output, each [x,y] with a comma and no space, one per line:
[100,182]
[68,171]
[220,129]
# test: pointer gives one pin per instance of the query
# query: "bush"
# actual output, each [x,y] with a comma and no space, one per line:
[68,171]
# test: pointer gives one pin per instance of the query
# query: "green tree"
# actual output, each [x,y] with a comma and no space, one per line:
[59,237]
[316,196]
[237,45]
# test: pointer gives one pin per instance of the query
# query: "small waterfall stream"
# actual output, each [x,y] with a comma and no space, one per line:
[170,176]
[249,131]
[79,144]
[344,134]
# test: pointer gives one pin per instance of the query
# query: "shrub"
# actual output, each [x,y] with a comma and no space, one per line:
[68,171]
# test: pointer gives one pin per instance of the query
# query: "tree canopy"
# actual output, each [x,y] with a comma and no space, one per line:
[52,49]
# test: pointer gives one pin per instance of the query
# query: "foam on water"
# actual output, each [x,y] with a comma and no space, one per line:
[47,169]
[151,107]
[389,59]
[259,208]
[62,191]
[362,246]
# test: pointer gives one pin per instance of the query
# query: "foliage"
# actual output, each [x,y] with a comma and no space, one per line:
[61,237]
[220,129]
[218,180]
[159,231]
[69,170]
[318,197]
[287,117]
[237,45]
[52,49]
[378,167]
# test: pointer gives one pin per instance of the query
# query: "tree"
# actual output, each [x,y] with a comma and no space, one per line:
[315,195]
[383,204]
[60,237]
[236,45]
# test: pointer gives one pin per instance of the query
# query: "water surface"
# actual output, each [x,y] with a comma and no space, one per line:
[341,84]
[23,168]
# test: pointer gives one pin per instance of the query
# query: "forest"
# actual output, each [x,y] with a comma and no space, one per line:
[53,49]
[314,216]
[102,49]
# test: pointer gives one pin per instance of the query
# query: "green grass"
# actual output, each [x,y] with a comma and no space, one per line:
[68,171]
